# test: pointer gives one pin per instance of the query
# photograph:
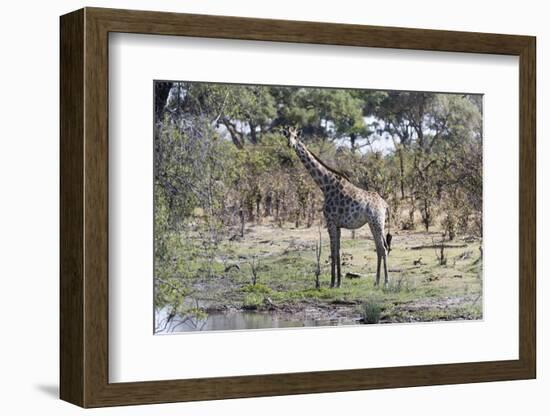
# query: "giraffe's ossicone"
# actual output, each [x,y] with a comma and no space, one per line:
[345,206]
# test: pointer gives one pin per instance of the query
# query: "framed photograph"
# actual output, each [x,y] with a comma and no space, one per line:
[255,207]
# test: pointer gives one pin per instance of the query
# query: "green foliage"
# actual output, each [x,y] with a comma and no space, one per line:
[371,312]
[253,301]
[433,144]
[257,288]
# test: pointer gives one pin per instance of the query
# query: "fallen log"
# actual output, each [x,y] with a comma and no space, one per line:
[438,246]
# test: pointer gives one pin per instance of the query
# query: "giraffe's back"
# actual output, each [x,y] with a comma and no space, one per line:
[352,207]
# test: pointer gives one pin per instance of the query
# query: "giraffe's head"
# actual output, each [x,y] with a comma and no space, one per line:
[291,134]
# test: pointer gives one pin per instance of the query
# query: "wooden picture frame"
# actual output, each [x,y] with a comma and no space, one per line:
[84,207]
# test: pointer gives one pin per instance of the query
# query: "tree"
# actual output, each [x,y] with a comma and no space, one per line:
[435,151]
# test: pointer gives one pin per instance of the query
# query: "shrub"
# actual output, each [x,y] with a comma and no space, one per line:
[252,301]
[257,288]
[370,312]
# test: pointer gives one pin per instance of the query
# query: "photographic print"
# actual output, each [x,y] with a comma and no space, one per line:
[294,206]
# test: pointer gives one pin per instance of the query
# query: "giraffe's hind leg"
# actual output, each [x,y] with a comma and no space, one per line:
[379,258]
[385,258]
[381,254]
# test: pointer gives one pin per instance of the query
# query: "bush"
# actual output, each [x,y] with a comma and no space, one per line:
[253,301]
[370,312]
[258,288]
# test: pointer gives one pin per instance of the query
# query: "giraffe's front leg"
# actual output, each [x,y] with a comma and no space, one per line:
[332,232]
[338,261]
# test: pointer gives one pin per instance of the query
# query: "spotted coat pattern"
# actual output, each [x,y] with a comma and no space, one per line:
[345,206]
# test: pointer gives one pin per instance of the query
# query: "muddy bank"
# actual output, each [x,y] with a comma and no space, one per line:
[313,314]
[350,312]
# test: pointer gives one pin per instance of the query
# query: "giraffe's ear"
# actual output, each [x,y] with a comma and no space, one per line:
[291,134]
[293,131]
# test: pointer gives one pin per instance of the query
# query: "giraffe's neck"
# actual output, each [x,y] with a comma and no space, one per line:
[322,176]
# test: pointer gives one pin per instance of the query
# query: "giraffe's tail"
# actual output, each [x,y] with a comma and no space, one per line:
[389,237]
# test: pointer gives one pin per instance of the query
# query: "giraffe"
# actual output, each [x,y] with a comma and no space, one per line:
[345,206]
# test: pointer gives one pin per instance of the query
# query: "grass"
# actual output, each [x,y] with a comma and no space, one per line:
[419,289]
[252,301]
[371,312]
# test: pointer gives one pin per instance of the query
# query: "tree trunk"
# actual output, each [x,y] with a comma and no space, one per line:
[426,215]
[311,214]
[162,89]
[253,135]
[241,215]
[402,173]
[258,200]
[268,204]
[236,136]
[277,208]
[353,144]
